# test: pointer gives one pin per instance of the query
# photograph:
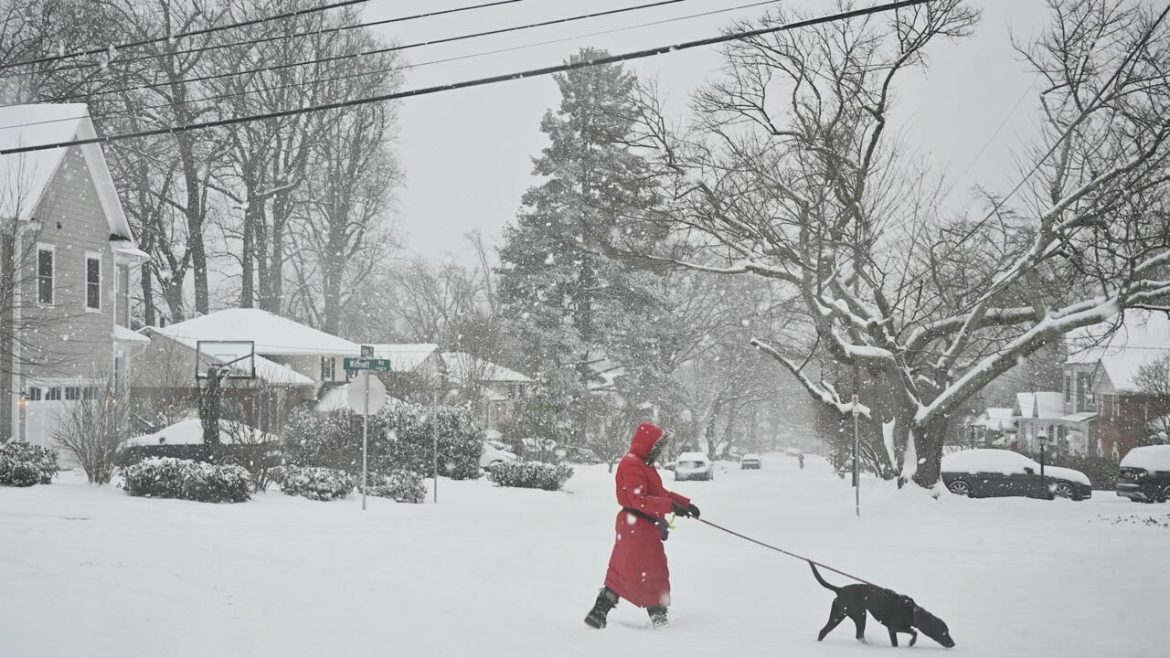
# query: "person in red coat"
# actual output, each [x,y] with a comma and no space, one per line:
[637,567]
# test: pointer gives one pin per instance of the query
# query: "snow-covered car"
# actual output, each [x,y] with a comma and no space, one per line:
[750,461]
[986,473]
[693,466]
[495,452]
[1145,474]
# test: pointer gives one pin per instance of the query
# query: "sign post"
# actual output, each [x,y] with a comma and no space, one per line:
[366,396]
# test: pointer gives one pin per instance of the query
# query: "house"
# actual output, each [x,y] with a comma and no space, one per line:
[490,387]
[1035,414]
[1103,378]
[68,254]
[294,363]
[996,426]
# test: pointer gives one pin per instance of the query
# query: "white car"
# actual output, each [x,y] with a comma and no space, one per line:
[495,452]
[693,466]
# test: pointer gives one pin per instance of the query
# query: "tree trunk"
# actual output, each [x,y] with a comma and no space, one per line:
[928,445]
[150,315]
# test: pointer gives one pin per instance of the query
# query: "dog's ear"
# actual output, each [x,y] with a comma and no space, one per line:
[909,602]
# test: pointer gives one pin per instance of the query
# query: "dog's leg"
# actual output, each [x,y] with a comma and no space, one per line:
[836,616]
[913,636]
[859,621]
[893,636]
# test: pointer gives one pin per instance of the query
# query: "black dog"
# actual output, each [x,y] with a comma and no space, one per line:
[899,614]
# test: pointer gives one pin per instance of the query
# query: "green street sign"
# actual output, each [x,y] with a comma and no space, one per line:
[364,363]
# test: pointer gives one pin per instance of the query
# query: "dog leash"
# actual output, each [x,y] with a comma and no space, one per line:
[788,553]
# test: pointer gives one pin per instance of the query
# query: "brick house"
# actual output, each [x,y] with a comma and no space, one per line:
[1103,378]
[68,254]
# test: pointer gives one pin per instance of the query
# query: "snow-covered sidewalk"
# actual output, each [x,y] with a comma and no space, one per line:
[500,572]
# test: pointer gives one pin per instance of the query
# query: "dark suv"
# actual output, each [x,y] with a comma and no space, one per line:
[1145,474]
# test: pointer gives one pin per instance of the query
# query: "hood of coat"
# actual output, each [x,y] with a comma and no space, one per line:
[645,437]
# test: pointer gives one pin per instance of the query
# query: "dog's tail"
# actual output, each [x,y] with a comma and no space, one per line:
[820,580]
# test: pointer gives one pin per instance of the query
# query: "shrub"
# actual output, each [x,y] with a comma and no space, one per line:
[401,485]
[401,437]
[315,483]
[24,464]
[93,430]
[257,458]
[531,475]
[167,477]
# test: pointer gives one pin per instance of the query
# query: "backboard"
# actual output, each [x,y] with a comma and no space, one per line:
[238,356]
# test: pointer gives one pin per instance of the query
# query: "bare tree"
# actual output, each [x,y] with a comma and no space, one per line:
[1153,381]
[790,174]
[94,428]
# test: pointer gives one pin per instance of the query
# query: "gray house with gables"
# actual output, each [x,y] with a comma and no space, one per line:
[68,254]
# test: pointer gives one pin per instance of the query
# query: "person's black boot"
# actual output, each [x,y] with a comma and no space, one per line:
[657,616]
[606,600]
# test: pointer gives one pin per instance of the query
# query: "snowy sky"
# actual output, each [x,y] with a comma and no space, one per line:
[467,154]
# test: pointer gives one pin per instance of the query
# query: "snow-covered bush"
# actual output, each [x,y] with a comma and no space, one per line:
[530,475]
[315,483]
[23,464]
[167,477]
[402,486]
[258,458]
[401,438]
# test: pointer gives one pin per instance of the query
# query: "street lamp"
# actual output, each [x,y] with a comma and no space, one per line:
[1042,438]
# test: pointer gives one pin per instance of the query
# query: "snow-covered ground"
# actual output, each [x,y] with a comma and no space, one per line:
[499,572]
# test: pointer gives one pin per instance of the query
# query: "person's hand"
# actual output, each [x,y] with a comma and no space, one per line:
[689,510]
[693,511]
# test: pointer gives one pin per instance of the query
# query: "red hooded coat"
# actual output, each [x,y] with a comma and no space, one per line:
[637,566]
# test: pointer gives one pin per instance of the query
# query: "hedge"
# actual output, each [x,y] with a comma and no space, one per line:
[530,475]
[168,477]
[323,484]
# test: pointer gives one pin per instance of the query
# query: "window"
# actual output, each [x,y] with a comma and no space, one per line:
[327,365]
[89,393]
[93,282]
[72,392]
[1084,397]
[53,393]
[1067,389]
[45,257]
[34,393]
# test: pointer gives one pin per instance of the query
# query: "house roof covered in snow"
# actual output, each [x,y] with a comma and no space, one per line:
[1040,404]
[997,418]
[405,357]
[464,367]
[273,335]
[25,177]
[266,370]
[1121,351]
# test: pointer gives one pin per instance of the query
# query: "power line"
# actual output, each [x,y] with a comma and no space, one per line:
[379,51]
[413,66]
[479,82]
[309,33]
[183,35]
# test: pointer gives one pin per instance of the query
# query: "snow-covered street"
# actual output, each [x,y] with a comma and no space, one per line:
[503,572]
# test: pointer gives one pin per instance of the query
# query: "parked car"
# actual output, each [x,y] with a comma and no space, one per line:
[1145,474]
[495,452]
[986,473]
[693,466]
[750,461]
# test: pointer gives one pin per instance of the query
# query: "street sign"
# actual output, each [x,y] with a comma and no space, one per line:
[366,363]
[355,393]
